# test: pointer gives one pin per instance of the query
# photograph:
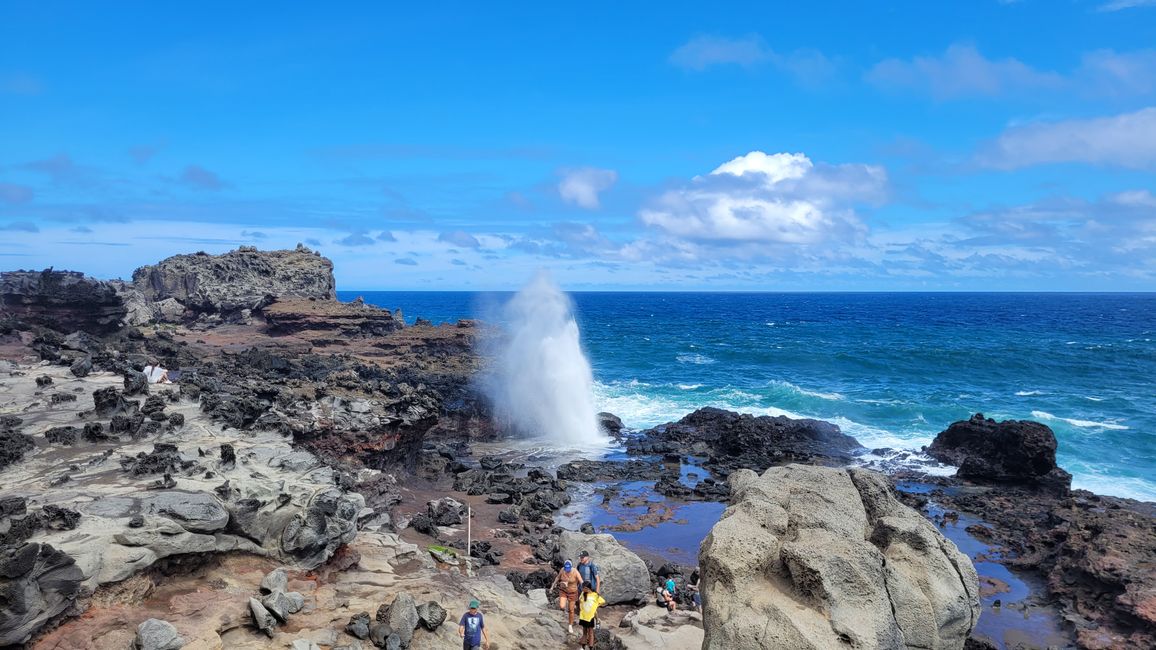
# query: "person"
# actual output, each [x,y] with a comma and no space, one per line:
[156,374]
[472,629]
[693,587]
[568,581]
[589,571]
[588,604]
[670,587]
[665,598]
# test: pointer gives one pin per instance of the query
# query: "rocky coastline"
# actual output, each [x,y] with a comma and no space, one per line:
[308,480]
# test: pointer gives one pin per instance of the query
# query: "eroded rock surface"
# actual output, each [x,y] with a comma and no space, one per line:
[814,557]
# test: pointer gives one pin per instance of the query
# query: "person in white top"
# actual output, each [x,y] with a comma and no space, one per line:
[156,374]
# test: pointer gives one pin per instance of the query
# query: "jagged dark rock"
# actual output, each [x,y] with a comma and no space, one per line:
[731,441]
[38,583]
[1012,451]
[62,300]
[62,435]
[110,402]
[81,367]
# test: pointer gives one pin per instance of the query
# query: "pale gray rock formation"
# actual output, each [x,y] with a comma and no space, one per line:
[625,578]
[292,512]
[402,617]
[155,634]
[244,279]
[812,557]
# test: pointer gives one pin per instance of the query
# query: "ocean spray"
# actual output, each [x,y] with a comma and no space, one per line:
[540,380]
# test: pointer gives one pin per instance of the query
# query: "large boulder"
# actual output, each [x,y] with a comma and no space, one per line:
[1012,451]
[244,279]
[625,578]
[814,557]
[402,617]
[62,300]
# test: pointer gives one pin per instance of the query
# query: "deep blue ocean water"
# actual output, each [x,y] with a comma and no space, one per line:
[892,369]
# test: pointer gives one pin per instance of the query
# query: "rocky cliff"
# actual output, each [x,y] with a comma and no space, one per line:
[813,557]
[62,300]
[240,280]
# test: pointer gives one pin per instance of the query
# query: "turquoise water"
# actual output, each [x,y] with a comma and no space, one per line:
[890,369]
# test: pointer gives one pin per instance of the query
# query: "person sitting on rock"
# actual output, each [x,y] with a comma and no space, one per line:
[665,598]
[472,629]
[156,374]
[588,604]
[568,580]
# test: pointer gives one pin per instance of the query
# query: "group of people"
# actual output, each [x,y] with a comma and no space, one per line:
[579,588]
[578,593]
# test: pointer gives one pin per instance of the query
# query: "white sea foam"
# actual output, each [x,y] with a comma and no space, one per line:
[1117,486]
[1094,399]
[1083,424]
[836,397]
[697,359]
[1028,393]
[689,386]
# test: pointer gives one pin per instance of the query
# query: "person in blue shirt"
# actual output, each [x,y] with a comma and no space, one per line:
[472,629]
[589,571]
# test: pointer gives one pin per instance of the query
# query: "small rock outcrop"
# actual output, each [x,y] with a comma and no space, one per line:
[631,583]
[815,557]
[155,634]
[1012,451]
[733,440]
[238,280]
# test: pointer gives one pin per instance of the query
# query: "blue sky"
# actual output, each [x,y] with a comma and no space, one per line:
[813,146]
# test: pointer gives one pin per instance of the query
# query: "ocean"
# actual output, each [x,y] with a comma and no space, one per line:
[891,369]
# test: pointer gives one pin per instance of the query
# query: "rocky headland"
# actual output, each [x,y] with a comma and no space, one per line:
[309,479]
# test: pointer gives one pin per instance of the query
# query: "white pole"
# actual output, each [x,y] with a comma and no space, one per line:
[469,536]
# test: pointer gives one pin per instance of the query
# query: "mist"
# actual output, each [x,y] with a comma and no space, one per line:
[540,382]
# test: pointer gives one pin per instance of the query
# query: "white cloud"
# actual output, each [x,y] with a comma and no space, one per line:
[1127,140]
[582,186]
[778,198]
[961,71]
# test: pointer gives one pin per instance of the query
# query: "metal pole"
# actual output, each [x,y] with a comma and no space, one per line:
[469,537]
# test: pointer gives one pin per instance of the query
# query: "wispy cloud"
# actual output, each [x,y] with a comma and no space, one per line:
[13,193]
[1126,140]
[199,178]
[405,261]
[20,226]
[1120,5]
[460,238]
[356,239]
[961,71]
[583,185]
[702,52]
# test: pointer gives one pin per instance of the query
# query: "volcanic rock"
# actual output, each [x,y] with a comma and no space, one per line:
[734,441]
[1012,451]
[38,583]
[238,280]
[62,300]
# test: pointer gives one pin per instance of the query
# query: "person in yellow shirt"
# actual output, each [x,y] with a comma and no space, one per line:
[588,604]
